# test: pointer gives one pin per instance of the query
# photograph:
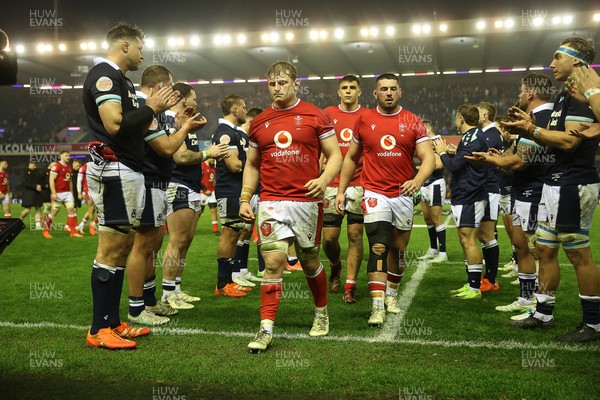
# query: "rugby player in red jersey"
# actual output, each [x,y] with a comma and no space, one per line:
[344,115]
[4,189]
[387,138]
[285,144]
[61,191]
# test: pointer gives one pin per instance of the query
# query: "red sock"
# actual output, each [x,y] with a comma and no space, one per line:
[48,222]
[318,287]
[270,296]
[376,287]
[215,226]
[72,222]
[7,215]
[349,285]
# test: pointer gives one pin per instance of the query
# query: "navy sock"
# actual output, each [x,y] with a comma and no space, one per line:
[514,256]
[474,275]
[239,255]
[590,306]
[544,308]
[102,287]
[150,291]
[527,285]
[223,272]
[432,237]
[292,260]
[441,237]
[136,305]
[245,252]
[491,254]
[261,261]
[114,317]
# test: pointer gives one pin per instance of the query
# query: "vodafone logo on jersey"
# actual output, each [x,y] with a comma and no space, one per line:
[283,139]
[388,142]
[346,134]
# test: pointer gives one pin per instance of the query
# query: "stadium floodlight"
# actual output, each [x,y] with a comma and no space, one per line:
[509,23]
[180,42]
[172,42]
[443,27]
[368,76]
[390,30]
[62,47]
[556,20]
[597,17]
[104,45]
[274,36]
[329,77]
[20,49]
[217,81]
[449,72]
[48,48]
[239,81]
[338,33]
[519,69]
[264,37]
[492,70]
[323,34]
[408,74]
[253,80]
[480,25]
[426,28]
[226,39]
[82,46]
[241,38]
[149,43]
[374,31]
[314,35]
[567,19]
[499,24]
[289,36]
[536,68]
[416,29]
[313,78]
[364,32]
[195,40]
[475,71]
[538,21]
[91,45]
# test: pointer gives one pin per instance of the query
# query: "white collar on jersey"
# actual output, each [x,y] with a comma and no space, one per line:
[492,125]
[224,121]
[98,60]
[141,94]
[545,106]
[239,128]
[284,109]
[349,112]
[388,115]
[170,113]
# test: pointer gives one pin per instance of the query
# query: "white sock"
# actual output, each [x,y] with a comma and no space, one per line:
[267,325]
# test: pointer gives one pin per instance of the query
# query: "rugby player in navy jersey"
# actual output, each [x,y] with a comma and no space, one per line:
[433,195]
[486,232]
[569,198]
[183,197]
[115,180]
[160,145]
[528,161]
[228,187]
[469,195]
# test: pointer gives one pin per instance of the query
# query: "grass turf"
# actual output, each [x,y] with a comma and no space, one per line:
[444,348]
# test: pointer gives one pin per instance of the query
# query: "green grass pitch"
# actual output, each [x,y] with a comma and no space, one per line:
[438,348]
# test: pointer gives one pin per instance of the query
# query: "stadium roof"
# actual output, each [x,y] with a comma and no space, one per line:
[321,45]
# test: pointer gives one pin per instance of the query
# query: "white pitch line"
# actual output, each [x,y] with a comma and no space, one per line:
[391,327]
[502,345]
